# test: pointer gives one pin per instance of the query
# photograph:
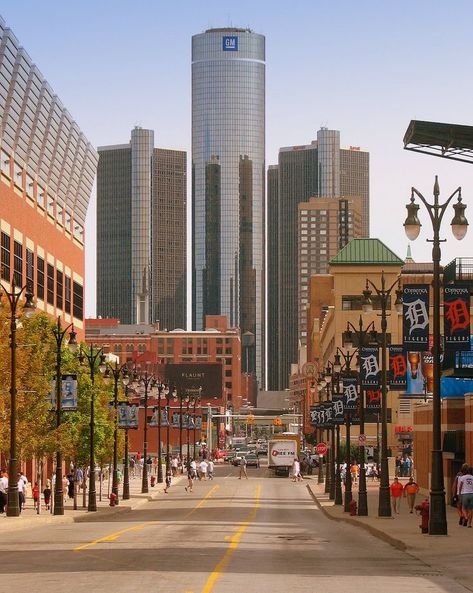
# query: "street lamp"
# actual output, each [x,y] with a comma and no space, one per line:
[321,384]
[93,357]
[346,370]
[196,402]
[384,503]
[126,468]
[163,391]
[169,394]
[336,489]
[117,371]
[438,512]
[147,381]
[361,333]
[59,335]
[181,399]
[13,298]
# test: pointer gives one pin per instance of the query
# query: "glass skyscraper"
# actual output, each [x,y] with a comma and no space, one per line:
[228,175]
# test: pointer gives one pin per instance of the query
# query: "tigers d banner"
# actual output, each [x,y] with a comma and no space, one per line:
[456,317]
[350,394]
[415,317]
[397,368]
[369,367]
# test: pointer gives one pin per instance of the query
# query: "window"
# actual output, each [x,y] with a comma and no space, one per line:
[50,284]
[40,278]
[59,289]
[67,294]
[117,348]
[17,263]
[78,302]
[30,270]
[6,257]
[354,302]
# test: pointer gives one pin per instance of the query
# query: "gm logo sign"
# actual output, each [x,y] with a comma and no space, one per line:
[230,43]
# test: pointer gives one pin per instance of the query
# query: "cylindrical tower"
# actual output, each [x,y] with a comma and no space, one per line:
[228,171]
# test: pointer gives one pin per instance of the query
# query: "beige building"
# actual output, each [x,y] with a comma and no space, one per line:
[325,225]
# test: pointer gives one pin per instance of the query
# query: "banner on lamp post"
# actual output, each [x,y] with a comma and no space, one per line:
[350,394]
[127,415]
[370,373]
[338,411]
[397,376]
[415,317]
[456,311]
[373,399]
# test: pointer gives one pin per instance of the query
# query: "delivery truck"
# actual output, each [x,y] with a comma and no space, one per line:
[282,450]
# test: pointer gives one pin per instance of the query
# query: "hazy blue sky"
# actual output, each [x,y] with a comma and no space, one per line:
[365,68]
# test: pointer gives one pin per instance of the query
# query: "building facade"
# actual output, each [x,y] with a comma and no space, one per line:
[228,176]
[141,257]
[46,177]
[320,169]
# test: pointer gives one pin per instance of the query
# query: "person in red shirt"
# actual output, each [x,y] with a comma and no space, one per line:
[396,494]
[35,493]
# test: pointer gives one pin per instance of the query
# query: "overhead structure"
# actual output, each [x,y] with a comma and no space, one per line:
[450,141]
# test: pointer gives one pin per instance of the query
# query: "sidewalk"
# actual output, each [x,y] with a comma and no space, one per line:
[30,518]
[450,554]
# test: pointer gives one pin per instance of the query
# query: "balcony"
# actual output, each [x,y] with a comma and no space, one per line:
[459,270]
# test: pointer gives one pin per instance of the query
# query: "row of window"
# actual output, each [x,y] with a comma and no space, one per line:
[52,285]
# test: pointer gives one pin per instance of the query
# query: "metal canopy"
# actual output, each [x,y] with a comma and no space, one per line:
[451,141]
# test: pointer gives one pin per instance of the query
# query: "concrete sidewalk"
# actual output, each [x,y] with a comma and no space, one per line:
[30,518]
[451,554]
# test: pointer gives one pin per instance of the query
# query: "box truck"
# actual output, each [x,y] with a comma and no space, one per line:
[282,450]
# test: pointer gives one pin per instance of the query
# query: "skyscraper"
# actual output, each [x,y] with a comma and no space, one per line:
[228,174]
[322,169]
[47,172]
[141,232]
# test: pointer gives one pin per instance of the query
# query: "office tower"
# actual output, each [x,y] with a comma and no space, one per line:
[325,226]
[141,232]
[323,169]
[47,172]
[228,145]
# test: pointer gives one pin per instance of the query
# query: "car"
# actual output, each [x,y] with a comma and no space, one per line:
[252,460]
[262,452]
[242,453]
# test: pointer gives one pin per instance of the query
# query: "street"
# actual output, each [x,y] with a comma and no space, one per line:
[258,535]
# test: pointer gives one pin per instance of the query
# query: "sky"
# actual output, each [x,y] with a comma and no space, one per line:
[366,68]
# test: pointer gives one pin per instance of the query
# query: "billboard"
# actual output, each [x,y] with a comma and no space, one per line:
[188,378]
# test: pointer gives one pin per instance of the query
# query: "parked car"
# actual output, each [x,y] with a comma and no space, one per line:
[252,460]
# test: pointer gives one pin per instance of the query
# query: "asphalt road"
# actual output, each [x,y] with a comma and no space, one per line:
[258,535]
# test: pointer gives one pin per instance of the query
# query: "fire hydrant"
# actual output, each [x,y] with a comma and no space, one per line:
[423,511]
[153,481]
[353,508]
[113,499]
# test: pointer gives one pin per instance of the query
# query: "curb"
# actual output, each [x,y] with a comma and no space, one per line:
[395,543]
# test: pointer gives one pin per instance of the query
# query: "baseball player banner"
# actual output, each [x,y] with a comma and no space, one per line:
[370,373]
[397,375]
[350,394]
[456,317]
[127,415]
[415,317]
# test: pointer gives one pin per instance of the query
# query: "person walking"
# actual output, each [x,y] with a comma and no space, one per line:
[456,496]
[3,490]
[21,491]
[410,491]
[47,494]
[190,479]
[210,469]
[396,494]
[296,470]
[175,465]
[466,492]
[35,494]
[203,467]
[169,475]
[243,467]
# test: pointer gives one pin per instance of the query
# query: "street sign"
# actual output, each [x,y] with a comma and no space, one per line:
[321,448]
[362,439]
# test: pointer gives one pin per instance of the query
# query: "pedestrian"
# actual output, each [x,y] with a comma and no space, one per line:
[396,494]
[466,492]
[203,466]
[398,466]
[243,467]
[35,494]
[410,491]
[149,463]
[190,479]
[155,466]
[456,496]
[355,470]
[25,487]
[174,465]
[70,485]
[21,491]
[296,470]
[65,487]
[3,490]
[169,475]
[47,494]
[210,469]
[132,466]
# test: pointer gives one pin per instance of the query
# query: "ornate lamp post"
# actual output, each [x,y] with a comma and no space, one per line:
[438,513]
[188,400]
[331,378]
[337,368]
[95,359]
[169,395]
[321,384]
[146,381]
[116,371]
[13,299]
[384,294]
[126,469]
[163,391]
[181,399]
[361,334]
[59,335]
[196,402]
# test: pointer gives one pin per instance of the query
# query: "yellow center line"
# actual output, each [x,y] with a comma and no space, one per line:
[111,537]
[233,545]
[199,504]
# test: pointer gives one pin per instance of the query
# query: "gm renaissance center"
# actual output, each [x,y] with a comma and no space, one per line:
[228,172]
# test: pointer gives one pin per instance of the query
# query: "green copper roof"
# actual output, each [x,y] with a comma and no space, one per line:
[366,252]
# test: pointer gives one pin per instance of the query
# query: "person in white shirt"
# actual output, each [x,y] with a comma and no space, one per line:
[210,470]
[296,470]
[194,469]
[203,465]
[3,491]
[21,491]
[465,490]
